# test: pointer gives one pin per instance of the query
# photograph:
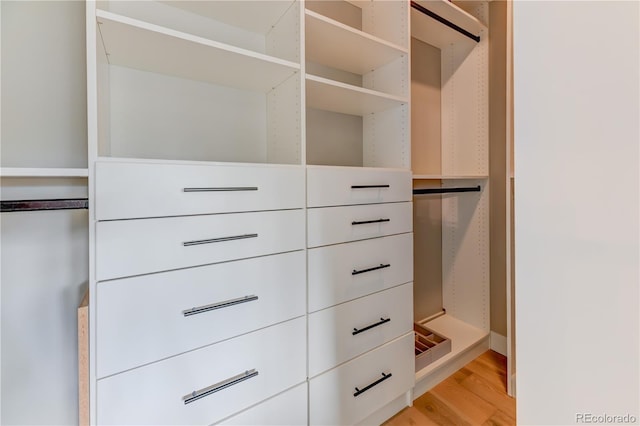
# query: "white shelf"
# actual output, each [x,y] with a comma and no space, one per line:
[37,172]
[140,45]
[254,16]
[334,96]
[435,33]
[331,43]
[448,177]
[463,338]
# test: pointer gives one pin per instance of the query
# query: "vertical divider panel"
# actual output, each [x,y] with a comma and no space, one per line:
[284,105]
[465,133]
[96,67]
[465,255]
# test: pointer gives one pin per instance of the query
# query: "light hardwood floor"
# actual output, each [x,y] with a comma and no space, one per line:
[474,395]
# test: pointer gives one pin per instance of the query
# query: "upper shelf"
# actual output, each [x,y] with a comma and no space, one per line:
[334,96]
[440,23]
[148,47]
[254,16]
[337,45]
[33,172]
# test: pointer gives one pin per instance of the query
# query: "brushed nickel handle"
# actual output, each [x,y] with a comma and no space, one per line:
[219,305]
[222,189]
[218,240]
[196,395]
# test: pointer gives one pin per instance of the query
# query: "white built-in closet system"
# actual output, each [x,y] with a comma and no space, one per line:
[251,217]
[250,189]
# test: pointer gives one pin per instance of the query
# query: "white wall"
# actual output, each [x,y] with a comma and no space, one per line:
[577,209]
[44,255]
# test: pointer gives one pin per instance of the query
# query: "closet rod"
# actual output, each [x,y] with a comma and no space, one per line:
[444,21]
[36,205]
[446,190]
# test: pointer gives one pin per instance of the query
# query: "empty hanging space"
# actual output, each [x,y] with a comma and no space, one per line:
[449,139]
[357,88]
[175,83]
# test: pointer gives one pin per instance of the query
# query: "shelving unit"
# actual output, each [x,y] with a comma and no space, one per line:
[450,147]
[163,93]
[357,83]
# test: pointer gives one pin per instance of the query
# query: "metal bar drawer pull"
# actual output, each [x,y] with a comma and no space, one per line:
[369,327]
[364,222]
[366,388]
[368,186]
[375,268]
[218,240]
[222,189]
[214,306]
[196,395]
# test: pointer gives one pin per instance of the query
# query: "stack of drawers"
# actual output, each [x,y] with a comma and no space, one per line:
[360,273]
[201,294]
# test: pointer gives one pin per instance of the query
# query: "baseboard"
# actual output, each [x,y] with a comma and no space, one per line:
[513,385]
[499,343]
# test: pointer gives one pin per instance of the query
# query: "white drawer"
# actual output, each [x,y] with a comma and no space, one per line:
[345,331]
[332,225]
[133,247]
[137,190]
[340,186]
[146,318]
[336,272]
[155,394]
[289,408]
[331,395]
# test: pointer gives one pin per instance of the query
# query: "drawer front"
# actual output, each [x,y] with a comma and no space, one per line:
[345,331]
[151,317]
[287,409]
[340,186]
[133,247]
[138,190]
[333,225]
[223,377]
[336,388]
[344,272]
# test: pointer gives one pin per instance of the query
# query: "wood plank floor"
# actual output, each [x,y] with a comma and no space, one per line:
[474,395]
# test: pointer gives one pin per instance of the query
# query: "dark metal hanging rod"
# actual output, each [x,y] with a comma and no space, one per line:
[446,190]
[36,205]
[444,21]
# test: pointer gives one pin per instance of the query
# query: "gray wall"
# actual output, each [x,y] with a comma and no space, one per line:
[44,255]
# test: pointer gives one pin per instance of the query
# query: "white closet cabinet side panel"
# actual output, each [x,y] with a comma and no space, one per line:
[155,394]
[138,190]
[465,109]
[332,225]
[287,409]
[142,319]
[331,395]
[465,257]
[133,247]
[339,186]
[375,320]
[165,117]
[284,123]
[333,270]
